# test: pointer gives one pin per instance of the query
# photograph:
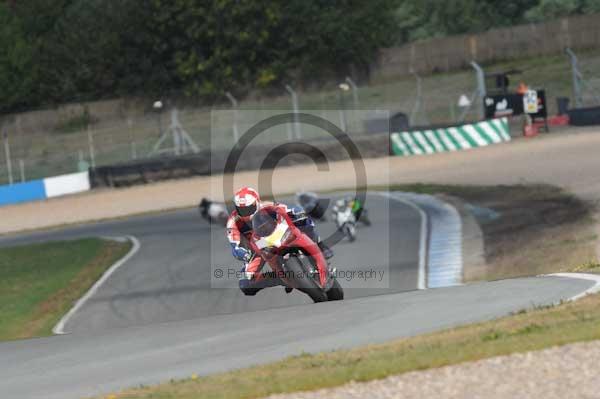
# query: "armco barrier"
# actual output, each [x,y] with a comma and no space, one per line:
[47,188]
[464,137]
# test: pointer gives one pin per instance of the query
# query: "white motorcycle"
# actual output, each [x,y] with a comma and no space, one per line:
[344,219]
[213,212]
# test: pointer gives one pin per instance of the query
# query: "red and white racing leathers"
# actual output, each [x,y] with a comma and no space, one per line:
[239,232]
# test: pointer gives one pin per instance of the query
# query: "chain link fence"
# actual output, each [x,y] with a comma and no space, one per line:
[425,100]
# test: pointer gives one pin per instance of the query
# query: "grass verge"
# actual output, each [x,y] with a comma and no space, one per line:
[40,282]
[524,331]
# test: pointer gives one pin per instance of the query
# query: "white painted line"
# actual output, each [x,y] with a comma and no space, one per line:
[582,276]
[422,281]
[60,326]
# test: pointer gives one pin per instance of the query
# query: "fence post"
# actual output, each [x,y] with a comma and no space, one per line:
[132,139]
[22,167]
[91,147]
[7,155]
[418,101]
[342,108]
[234,106]
[481,89]
[296,110]
[354,92]
[576,77]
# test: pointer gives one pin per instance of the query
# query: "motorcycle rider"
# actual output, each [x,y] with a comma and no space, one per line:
[239,230]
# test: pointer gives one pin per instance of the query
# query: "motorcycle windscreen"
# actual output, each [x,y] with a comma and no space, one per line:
[264,223]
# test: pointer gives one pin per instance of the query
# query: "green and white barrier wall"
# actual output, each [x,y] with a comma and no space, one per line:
[455,138]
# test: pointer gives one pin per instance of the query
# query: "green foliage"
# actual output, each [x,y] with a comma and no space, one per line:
[551,9]
[55,51]
[420,19]
[16,77]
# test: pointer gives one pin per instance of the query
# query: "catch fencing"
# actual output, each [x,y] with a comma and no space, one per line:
[72,138]
[523,41]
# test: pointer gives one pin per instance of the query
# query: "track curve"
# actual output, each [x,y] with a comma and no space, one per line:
[178,325]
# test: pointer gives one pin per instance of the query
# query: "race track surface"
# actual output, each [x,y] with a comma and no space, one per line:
[157,317]
[79,365]
[169,279]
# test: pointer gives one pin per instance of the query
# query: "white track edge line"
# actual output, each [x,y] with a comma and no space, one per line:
[582,276]
[422,281]
[59,327]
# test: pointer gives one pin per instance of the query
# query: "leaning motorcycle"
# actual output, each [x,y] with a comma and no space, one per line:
[344,218]
[314,206]
[293,256]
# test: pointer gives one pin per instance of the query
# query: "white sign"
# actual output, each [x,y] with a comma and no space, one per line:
[530,102]
[464,101]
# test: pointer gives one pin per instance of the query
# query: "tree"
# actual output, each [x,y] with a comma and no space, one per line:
[16,65]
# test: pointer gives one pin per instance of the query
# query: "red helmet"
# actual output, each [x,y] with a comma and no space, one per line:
[246,201]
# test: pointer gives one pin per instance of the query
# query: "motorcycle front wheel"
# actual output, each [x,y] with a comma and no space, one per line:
[336,292]
[300,270]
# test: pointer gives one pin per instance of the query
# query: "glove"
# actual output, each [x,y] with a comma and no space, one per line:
[242,253]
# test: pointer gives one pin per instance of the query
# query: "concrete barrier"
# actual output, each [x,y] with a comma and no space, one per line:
[457,138]
[22,192]
[67,184]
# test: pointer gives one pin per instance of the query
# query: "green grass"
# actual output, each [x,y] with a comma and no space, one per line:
[524,331]
[40,282]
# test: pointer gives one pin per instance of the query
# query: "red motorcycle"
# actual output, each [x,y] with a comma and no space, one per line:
[293,256]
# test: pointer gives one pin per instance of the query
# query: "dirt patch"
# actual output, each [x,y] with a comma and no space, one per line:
[528,229]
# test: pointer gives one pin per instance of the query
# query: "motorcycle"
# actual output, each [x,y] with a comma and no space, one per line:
[344,218]
[293,256]
[313,206]
[213,212]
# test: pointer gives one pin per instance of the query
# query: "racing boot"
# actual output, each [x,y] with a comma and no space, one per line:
[327,252]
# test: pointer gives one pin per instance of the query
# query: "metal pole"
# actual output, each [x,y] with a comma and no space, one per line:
[576,77]
[234,106]
[296,111]
[91,147]
[354,88]
[341,111]
[22,167]
[354,92]
[132,139]
[481,89]
[417,107]
[7,155]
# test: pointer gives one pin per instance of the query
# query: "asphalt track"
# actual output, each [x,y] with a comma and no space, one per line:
[157,317]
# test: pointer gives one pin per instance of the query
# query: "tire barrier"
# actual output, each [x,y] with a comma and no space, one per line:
[204,163]
[457,138]
[50,187]
[584,116]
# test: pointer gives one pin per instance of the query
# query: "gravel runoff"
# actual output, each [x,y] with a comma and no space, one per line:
[570,371]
